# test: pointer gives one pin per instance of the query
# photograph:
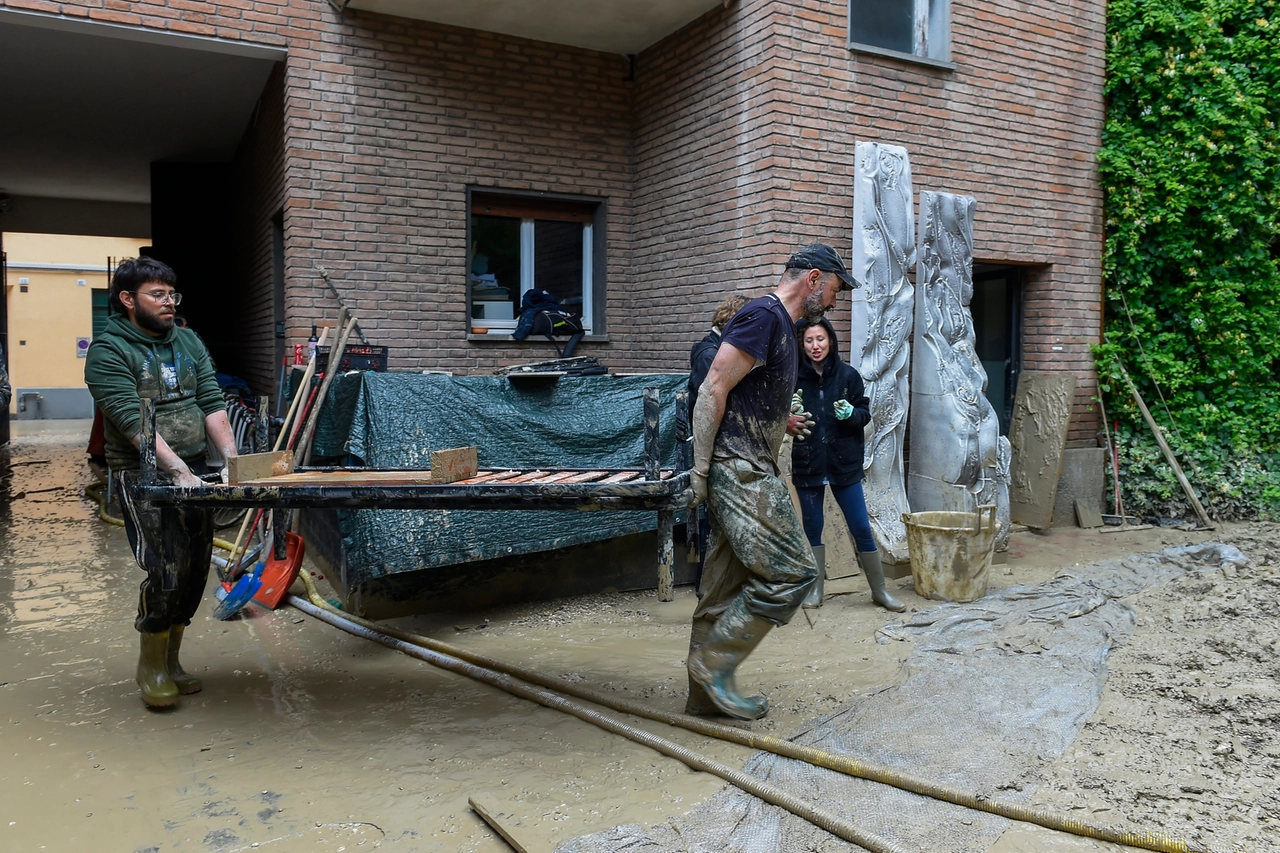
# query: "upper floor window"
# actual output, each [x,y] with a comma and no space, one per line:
[916,28]
[519,243]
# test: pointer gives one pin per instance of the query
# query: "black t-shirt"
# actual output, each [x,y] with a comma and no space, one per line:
[755,416]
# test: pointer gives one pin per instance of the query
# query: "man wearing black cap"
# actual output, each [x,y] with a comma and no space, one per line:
[761,567]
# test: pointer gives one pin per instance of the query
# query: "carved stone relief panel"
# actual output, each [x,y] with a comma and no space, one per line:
[1038,433]
[884,251]
[955,433]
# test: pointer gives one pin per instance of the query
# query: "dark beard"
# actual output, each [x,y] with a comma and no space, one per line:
[812,307]
[152,322]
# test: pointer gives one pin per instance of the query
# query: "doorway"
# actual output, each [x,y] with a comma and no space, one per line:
[997,325]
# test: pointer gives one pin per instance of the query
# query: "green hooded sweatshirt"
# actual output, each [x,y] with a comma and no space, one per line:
[175,368]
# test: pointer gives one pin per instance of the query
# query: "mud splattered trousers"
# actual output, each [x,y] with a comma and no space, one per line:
[173,546]
[758,549]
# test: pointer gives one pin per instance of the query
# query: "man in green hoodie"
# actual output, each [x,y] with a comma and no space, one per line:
[142,353]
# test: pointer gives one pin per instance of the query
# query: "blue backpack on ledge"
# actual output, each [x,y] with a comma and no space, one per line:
[542,314]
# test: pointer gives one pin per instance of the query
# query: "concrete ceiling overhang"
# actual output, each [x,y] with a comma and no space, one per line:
[86,108]
[612,26]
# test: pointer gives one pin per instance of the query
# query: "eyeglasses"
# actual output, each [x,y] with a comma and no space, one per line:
[160,297]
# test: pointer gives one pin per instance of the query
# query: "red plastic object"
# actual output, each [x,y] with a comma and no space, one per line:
[279,575]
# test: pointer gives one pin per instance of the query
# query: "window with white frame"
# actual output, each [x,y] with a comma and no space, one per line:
[519,243]
[918,28]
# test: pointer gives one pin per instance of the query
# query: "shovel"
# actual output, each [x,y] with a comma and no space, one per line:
[278,575]
[234,593]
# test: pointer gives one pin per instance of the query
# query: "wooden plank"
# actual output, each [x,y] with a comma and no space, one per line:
[1192,498]
[485,477]
[624,477]
[527,477]
[521,836]
[259,466]
[450,466]
[587,477]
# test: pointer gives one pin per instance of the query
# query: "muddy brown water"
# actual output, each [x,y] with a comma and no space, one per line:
[306,738]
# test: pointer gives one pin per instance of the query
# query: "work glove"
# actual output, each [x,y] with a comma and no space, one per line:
[844,409]
[800,425]
[699,484]
[225,475]
[797,402]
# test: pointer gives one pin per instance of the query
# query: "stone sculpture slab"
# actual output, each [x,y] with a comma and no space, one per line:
[884,251]
[956,463]
[1038,434]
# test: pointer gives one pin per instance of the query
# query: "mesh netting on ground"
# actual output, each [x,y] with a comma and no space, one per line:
[993,693]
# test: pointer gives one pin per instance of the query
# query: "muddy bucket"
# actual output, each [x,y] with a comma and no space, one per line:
[951,552]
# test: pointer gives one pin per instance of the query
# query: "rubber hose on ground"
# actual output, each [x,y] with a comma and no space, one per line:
[1158,842]
[833,823]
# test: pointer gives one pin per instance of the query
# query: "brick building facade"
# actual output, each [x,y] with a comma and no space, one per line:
[692,169]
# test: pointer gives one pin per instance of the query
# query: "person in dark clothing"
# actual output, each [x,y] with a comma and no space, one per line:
[700,358]
[142,352]
[760,568]
[704,351]
[832,456]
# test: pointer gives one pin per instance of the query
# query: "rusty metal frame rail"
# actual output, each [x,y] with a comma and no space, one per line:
[651,488]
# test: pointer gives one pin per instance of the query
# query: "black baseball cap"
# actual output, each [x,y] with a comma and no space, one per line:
[820,256]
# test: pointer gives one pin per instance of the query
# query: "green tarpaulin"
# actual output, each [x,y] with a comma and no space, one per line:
[395,420]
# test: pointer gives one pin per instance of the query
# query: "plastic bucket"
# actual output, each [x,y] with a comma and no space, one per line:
[951,552]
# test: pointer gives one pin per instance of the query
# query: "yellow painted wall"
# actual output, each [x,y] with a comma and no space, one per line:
[46,320]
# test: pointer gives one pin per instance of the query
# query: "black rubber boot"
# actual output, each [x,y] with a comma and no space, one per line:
[187,683]
[732,638]
[817,591]
[874,570]
[699,703]
[158,689]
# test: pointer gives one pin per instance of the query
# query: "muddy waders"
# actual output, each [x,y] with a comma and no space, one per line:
[187,683]
[731,639]
[158,689]
[818,590]
[874,570]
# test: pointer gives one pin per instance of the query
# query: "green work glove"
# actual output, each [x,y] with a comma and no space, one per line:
[843,409]
[797,402]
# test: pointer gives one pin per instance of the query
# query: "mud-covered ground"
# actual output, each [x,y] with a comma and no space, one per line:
[306,738]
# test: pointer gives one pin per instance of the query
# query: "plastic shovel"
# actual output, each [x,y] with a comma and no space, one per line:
[279,575]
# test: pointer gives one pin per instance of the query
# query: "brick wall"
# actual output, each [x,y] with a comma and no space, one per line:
[1016,124]
[732,144]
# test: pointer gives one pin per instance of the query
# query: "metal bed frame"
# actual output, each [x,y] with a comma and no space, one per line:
[582,489]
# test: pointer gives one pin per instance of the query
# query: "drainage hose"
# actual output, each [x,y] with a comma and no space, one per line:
[1158,842]
[833,823]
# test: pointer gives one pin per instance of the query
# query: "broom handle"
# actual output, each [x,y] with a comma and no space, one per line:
[300,394]
[335,359]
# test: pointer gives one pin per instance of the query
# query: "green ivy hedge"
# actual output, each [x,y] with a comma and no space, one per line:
[1190,167]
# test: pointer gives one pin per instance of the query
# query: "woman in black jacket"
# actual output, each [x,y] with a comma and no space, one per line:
[832,456]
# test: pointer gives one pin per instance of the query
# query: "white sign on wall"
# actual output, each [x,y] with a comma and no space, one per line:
[82,347]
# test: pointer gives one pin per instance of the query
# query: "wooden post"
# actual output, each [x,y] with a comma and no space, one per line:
[261,426]
[684,458]
[331,370]
[666,517]
[1168,453]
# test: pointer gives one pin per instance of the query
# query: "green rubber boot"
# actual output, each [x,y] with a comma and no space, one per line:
[731,639]
[158,689]
[874,570]
[187,683]
[699,703]
[817,591]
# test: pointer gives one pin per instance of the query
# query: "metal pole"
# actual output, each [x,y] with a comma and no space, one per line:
[684,459]
[666,517]
[261,425]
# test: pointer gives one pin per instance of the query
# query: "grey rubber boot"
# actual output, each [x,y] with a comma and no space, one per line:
[158,689]
[874,570]
[699,703]
[732,638]
[186,682]
[818,590]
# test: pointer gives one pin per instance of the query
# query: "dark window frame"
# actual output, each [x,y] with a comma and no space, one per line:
[936,35]
[553,204]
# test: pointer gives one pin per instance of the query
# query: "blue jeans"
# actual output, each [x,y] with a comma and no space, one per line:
[852,504]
